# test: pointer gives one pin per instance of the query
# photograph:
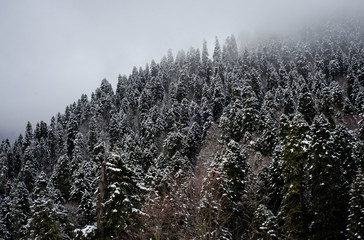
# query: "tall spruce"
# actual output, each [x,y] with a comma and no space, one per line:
[327,184]
[294,155]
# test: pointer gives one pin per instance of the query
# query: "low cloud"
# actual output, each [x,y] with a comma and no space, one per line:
[51,52]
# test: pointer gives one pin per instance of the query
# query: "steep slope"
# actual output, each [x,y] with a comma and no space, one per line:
[263,143]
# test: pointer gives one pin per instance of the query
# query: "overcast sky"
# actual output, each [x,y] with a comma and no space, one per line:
[51,51]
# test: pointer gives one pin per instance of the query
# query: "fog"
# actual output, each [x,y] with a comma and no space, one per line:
[52,51]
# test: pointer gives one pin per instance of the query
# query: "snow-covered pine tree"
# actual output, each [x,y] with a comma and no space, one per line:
[124,198]
[326,183]
[294,155]
[355,228]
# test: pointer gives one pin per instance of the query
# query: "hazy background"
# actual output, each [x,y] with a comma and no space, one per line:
[51,51]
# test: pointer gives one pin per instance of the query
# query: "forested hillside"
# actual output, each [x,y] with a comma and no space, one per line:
[265,142]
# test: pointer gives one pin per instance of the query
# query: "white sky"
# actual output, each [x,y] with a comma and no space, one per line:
[52,51]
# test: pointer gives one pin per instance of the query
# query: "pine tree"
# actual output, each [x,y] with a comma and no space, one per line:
[233,171]
[231,122]
[84,178]
[44,220]
[30,168]
[17,155]
[306,105]
[218,98]
[87,209]
[93,134]
[103,98]
[294,158]
[327,184]
[44,223]
[232,49]
[4,167]
[20,210]
[28,136]
[193,139]
[123,199]
[264,224]
[5,218]
[217,52]
[52,139]
[272,182]
[205,54]
[62,176]
[72,129]
[115,128]
[355,228]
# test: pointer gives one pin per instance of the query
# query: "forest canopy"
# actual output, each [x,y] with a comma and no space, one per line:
[264,142]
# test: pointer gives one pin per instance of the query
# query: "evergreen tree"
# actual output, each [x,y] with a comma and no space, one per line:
[17,155]
[264,224]
[29,170]
[5,218]
[86,210]
[217,52]
[44,223]
[93,134]
[20,210]
[327,184]
[233,171]
[294,158]
[62,176]
[52,139]
[72,129]
[355,228]
[123,199]
[272,182]
[306,105]
[28,136]
[218,98]
[205,54]
[115,128]
[232,49]
[231,122]
[4,167]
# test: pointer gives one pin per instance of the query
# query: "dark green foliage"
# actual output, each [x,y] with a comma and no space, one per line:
[327,184]
[231,122]
[175,142]
[218,98]
[306,105]
[294,157]
[72,130]
[356,218]
[87,209]
[124,197]
[44,223]
[272,183]
[6,218]
[61,177]
[28,136]
[193,139]
[29,170]
[264,224]
[19,211]
[232,169]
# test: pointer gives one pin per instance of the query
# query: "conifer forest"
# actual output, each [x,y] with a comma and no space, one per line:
[264,141]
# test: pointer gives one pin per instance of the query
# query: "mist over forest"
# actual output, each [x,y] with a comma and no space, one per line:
[50,48]
[250,136]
